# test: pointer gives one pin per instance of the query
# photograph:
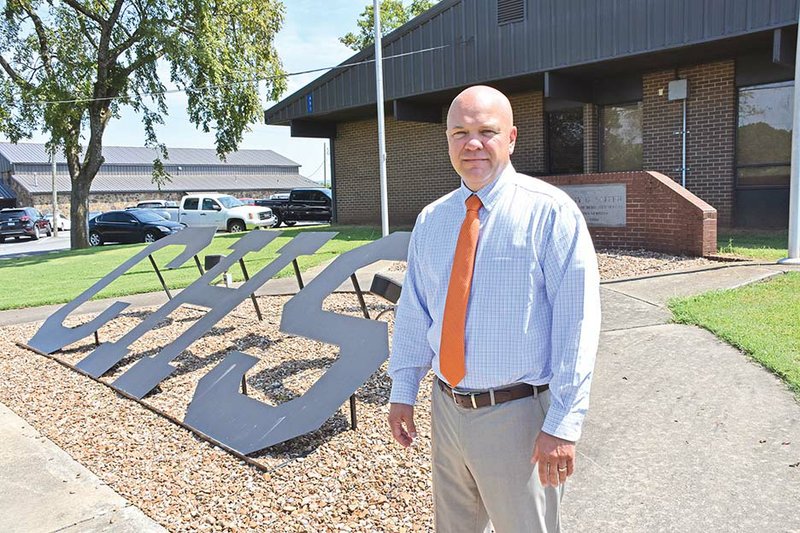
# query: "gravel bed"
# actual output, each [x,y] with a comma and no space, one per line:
[615,264]
[333,479]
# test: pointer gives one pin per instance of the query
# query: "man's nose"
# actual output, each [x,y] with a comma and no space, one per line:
[474,144]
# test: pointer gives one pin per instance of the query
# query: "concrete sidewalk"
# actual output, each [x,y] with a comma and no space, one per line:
[42,488]
[684,432]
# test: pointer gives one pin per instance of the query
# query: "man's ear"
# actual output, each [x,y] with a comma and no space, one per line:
[512,139]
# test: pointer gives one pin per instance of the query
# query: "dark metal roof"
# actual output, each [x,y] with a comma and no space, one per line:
[115,183]
[126,155]
[6,193]
[555,35]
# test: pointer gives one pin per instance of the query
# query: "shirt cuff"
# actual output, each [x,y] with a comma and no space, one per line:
[565,426]
[405,386]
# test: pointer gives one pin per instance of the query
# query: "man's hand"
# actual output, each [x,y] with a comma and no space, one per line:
[401,421]
[556,458]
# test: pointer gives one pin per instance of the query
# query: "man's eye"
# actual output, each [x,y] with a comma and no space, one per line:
[488,133]
[458,135]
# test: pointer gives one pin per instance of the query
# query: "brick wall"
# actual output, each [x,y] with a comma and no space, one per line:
[529,153]
[660,215]
[417,166]
[711,121]
[419,170]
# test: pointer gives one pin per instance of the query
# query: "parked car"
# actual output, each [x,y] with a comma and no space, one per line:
[313,205]
[223,211]
[248,201]
[279,196]
[63,222]
[153,204]
[131,225]
[91,214]
[23,222]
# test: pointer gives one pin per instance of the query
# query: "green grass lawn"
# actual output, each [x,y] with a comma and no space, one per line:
[754,244]
[762,319]
[61,276]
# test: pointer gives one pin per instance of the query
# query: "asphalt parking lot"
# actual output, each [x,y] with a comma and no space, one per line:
[26,246]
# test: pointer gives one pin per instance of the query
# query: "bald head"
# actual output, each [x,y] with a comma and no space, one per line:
[480,135]
[482,97]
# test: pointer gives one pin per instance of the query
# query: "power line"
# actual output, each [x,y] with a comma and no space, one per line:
[318,169]
[227,84]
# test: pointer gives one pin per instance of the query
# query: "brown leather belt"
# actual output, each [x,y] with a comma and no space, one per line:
[474,400]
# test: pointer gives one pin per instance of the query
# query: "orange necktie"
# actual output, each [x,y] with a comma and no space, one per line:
[451,350]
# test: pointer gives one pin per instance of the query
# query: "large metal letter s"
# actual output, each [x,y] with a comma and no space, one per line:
[248,425]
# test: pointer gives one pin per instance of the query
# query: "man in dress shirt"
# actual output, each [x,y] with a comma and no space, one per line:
[503,435]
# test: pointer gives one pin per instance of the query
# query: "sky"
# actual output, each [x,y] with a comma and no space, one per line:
[308,40]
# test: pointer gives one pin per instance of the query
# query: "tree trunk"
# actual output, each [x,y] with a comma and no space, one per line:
[78,211]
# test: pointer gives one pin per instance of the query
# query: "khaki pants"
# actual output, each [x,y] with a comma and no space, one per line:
[482,467]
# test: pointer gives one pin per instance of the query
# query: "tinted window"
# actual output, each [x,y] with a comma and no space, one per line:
[117,217]
[621,137]
[565,141]
[146,216]
[191,203]
[764,135]
[302,196]
[208,204]
[12,213]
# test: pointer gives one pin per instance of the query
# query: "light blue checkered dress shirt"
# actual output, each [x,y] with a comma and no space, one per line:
[534,307]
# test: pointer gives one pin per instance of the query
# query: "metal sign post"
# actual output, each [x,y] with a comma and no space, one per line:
[55,196]
[794,185]
[381,132]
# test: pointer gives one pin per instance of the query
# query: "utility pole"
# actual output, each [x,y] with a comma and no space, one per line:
[55,194]
[794,184]
[381,132]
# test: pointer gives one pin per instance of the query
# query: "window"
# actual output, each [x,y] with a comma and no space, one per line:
[764,135]
[565,141]
[228,201]
[116,216]
[621,137]
[302,196]
[209,204]
[145,216]
[191,204]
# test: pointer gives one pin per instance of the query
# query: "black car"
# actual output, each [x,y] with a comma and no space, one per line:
[23,222]
[131,225]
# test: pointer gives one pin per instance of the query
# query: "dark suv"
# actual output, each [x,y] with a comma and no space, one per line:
[23,222]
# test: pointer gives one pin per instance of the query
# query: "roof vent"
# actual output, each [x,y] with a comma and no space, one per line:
[510,11]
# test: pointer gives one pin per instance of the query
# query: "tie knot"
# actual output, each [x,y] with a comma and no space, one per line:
[474,203]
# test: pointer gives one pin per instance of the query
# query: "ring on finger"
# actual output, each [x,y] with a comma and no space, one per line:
[562,469]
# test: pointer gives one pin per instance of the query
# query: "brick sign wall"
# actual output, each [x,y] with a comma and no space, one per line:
[659,214]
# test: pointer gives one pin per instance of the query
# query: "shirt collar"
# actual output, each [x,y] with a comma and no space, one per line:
[490,193]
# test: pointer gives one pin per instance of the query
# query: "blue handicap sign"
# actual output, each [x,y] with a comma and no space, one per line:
[309,104]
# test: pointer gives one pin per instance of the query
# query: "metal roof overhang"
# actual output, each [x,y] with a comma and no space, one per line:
[595,73]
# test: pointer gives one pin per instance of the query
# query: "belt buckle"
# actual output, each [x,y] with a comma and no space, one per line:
[470,394]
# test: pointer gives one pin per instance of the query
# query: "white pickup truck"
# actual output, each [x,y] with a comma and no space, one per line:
[223,211]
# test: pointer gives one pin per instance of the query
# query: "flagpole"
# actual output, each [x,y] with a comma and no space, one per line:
[381,132]
[794,184]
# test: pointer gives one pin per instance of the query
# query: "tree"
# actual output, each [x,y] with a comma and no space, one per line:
[393,15]
[67,66]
